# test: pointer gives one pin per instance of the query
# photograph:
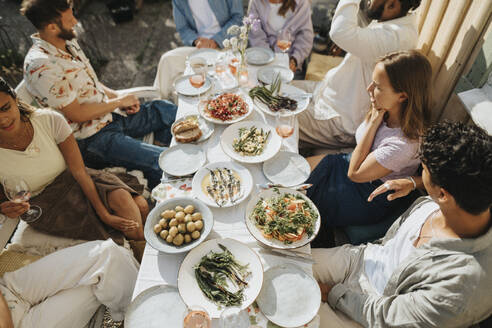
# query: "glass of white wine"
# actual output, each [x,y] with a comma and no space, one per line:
[284,125]
[17,190]
[197,317]
[284,40]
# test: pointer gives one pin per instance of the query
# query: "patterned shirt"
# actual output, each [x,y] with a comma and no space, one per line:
[56,78]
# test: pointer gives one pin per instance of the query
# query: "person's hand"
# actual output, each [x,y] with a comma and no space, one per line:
[13,210]
[402,187]
[132,110]
[119,223]
[325,291]
[206,43]
[293,64]
[376,115]
[128,101]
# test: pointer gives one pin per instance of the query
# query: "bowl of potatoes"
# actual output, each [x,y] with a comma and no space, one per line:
[177,225]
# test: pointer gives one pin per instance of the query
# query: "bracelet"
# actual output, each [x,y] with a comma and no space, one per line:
[413,181]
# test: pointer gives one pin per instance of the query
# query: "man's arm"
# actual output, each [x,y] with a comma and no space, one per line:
[235,18]
[187,34]
[369,42]
[5,316]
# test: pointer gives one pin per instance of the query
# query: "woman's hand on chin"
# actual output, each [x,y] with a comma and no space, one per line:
[119,223]
[377,115]
[13,210]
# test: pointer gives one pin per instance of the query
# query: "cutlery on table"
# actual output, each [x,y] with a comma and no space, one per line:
[300,187]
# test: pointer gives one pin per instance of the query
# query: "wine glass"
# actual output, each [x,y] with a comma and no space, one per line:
[197,80]
[284,125]
[284,40]
[197,317]
[233,317]
[17,190]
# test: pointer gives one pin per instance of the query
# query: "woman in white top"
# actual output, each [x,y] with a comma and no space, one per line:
[38,145]
[293,16]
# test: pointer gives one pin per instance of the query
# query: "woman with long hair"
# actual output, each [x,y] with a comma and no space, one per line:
[38,146]
[291,16]
[387,145]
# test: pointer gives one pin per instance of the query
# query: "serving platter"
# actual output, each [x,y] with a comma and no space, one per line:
[289,91]
[242,94]
[188,287]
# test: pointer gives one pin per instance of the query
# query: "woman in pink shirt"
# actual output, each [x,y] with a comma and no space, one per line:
[387,145]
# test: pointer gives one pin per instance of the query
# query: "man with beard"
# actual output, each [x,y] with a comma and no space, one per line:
[340,101]
[59,75]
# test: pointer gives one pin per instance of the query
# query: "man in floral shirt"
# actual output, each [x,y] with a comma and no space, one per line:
[59,75]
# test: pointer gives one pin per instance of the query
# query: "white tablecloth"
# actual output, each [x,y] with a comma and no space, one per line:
[159,268]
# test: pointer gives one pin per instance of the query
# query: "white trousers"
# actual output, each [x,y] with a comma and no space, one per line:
[65,288]
[336,265]
[171,65]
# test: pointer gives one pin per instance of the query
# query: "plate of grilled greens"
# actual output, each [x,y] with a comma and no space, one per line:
[279,99]
[282,218]
[222,184]
[220,273]
[250,142]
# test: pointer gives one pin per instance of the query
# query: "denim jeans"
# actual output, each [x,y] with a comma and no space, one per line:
[116,143]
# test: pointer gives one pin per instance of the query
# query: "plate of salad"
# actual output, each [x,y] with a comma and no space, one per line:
[220,273]
[282,218]
[226,108]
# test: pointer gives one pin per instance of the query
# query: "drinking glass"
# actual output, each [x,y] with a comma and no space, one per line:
[17,190]
[284,40]
[233,317]
[197,317]
[221,65]
[197,80]
[284,125]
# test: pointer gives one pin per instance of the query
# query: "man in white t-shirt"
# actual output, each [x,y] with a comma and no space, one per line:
[433,268]
[340,101]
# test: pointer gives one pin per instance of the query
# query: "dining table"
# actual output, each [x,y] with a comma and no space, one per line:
[159,268]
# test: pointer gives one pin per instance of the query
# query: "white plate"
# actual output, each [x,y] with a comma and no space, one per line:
[155,306]
[272,145]
[188,287]
[155,215]
[206,127]
[259,56]
[289,297]
[268,74]
[246,98]
[272,242]
[210,55]
[182,159]
[289,91]
[244,175]
[287,169]
[183,86]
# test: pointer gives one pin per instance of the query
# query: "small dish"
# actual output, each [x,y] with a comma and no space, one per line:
[289,297]
[287,169]
[188,287]
[154,306]
[209,54]
[207,128]
[183,86]
[155,215]
[201,176]
[267,74]
[259,56]
[182,159]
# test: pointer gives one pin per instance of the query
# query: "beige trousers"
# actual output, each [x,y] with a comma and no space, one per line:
[65,288]
[315,133]
[333,265]
[171,65]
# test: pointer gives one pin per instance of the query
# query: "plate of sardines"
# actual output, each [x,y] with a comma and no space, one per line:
[222,184]
[279,99]
[220,273]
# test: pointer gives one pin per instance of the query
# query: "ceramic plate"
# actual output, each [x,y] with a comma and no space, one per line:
[271,148]
[243,95]
[289,91]
[202,176]
[287,169]
[156,307]
[206,127]
[289,297]
[272,242]
[183,86]
[155,215]
[259,56]
[267,74]
[210,55]
[188,287]
[182,159]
